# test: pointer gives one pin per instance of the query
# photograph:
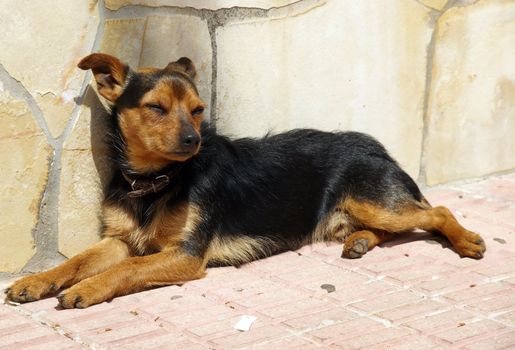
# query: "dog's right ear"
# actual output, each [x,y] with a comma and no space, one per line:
[110,74]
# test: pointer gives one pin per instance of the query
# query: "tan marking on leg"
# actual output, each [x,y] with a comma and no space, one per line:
[465,242]
[132,275]
[92,261]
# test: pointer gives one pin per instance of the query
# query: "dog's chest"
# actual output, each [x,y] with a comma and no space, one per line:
[166,229]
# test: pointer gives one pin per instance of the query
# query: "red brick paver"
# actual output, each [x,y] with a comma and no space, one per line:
[411,293]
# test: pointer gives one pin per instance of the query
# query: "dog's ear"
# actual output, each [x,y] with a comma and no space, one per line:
[183,65]
[110,74]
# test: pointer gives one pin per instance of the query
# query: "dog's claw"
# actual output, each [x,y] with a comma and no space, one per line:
[76,302]
[61,299]
[7,290]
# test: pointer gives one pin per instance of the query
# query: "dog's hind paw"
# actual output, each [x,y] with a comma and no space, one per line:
[470,245]
[356,248]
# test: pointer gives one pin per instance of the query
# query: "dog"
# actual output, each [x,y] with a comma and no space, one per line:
[183,197]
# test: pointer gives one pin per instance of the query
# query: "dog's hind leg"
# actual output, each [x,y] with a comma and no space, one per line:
[413,215]
[92,261]
[358,243]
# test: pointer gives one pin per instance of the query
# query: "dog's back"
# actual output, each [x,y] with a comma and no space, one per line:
[281,191]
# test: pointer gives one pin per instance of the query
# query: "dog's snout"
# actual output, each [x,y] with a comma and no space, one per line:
[186,141]
[190,140]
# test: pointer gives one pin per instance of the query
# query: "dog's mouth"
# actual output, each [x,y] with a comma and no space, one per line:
[174,152]
[180,155]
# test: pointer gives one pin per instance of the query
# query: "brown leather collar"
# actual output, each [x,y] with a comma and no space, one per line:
[143,185]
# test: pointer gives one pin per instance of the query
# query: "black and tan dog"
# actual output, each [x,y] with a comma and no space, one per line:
[183,197]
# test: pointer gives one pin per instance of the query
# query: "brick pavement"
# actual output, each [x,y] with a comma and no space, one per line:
[412,293]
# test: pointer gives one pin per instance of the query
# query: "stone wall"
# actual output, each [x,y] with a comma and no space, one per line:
[432,79]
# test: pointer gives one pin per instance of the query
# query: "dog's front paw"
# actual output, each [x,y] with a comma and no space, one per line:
[31,288]
[470,245]
[82,295]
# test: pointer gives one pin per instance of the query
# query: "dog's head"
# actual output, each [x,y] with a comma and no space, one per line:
[159,110]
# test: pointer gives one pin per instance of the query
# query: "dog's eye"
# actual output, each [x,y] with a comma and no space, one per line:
[155,107]
[197,111]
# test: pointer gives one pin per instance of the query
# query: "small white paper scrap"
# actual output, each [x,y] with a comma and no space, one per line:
[244,323]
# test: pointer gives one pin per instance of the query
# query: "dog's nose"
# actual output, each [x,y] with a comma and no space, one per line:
[191,140]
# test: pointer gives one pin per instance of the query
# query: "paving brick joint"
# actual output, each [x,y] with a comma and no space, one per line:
[410,293]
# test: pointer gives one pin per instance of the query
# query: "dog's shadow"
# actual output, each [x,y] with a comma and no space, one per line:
[100,126]
[415,236]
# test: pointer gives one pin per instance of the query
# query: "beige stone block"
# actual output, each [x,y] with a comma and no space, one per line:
[472,100]
[79,203]
[123,38]
[24,155]
[184,36]
[200,4]
[435,4]
[85,170]
[41,44]
[56,110]
[345,65]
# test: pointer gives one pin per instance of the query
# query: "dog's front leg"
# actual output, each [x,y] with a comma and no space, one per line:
[132,275]
[96,259]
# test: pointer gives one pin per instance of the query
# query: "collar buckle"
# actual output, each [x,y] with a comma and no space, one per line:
[142,186]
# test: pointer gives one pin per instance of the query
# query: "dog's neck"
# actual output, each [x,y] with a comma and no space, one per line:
[141,161]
